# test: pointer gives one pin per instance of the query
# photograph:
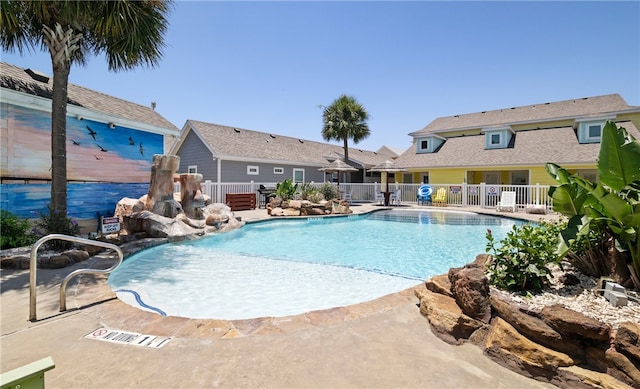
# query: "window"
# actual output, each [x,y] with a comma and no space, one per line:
[298,175]
[590,132]
[498,138]
[278,170]
[429,144]
[192,169]
[253,170]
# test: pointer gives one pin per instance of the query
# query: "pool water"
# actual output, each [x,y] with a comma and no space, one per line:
[285,267]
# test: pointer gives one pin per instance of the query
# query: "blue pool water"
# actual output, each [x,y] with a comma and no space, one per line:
[286,267]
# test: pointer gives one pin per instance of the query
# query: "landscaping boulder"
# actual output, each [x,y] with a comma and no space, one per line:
[439,284]
[531,327]
[575,325]
[628,342]
[470,288]
[446,319]
[622,368]
[507,346]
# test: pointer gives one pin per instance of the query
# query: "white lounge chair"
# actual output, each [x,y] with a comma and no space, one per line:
[507,201]
[347,196]
[379,197]
[394,198]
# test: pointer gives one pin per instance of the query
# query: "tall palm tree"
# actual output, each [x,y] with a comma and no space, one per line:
[130,33]
[345,118]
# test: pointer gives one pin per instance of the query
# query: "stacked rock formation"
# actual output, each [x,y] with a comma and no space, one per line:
[554,344]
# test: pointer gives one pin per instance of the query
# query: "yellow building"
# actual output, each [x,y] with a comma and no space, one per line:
[510,146]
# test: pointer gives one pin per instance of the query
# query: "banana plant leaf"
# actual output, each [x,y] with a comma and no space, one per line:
[618,161]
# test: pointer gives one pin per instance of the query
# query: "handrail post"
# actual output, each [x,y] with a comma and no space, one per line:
[33,267]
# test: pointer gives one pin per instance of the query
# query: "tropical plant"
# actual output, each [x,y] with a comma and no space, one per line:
[286,189]
[522,261]
[14,231]
[130,33]
[610,207]
[345,119]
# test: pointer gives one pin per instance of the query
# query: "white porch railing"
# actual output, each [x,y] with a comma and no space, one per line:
[461,195]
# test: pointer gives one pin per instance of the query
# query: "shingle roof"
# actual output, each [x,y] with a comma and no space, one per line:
[532,147]
[584,107]
[234,142]
[17,79]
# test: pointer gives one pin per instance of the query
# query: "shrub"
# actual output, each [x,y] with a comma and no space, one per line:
[55,223]
[14,231]
[522,261]
[329,191]
[316,197]
[307,190]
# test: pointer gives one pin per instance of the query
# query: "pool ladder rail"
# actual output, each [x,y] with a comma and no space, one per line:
[33,266]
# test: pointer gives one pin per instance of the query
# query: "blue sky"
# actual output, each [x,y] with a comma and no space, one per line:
[268,66]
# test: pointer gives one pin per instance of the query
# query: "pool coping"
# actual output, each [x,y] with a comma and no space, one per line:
[149,322]
[92,295]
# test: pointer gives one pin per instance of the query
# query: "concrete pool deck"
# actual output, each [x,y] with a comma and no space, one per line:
[384,343]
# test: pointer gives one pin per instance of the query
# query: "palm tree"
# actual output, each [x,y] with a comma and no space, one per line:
[345,118]
[130,33]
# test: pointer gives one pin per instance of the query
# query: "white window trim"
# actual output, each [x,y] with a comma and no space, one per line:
[491,137]
[502,133]
[253,170]
[420,148]
[192,169]
[433,142]
[588,138]
[278,170]
[295,170]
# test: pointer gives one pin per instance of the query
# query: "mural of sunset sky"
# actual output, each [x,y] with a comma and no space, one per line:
[95,152]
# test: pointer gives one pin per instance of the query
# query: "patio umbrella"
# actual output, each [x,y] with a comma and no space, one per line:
[387,167]
[338,166]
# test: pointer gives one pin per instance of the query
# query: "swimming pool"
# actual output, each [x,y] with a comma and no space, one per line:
[285,267]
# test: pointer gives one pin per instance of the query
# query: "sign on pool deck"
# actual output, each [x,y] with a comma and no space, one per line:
[124,337]
[110,225]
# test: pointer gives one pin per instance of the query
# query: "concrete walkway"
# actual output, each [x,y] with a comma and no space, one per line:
[385,343]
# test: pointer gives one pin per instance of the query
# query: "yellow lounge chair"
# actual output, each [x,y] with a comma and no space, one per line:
[441,198]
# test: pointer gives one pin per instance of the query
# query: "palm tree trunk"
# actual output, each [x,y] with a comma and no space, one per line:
[62,45]
[59,142]
[346,150]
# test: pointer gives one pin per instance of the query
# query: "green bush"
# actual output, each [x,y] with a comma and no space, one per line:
[522,261]
[14,232]
[56,223]
[329,191]
[307,190]
[316,197]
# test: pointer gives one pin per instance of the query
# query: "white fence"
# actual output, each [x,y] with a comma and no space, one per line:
[461,195]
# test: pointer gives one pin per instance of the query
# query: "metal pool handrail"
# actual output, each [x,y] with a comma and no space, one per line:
[33,266]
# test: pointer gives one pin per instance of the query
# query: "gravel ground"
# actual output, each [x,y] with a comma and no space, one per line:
[582,297]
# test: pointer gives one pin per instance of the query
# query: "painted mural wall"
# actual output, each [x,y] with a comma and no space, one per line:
[104,163]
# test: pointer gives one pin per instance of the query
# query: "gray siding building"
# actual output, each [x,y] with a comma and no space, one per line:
[226,154]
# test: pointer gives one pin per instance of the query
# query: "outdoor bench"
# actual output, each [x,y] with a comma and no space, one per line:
[241,201]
